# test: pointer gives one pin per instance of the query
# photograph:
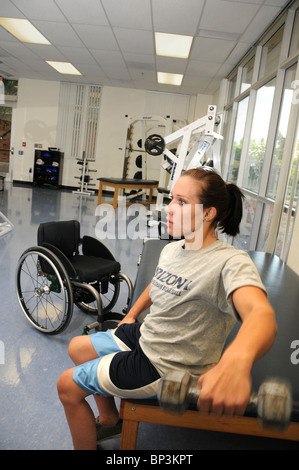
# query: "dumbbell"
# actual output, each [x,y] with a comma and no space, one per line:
[272,404]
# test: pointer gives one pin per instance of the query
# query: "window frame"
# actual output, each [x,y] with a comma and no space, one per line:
[286,19]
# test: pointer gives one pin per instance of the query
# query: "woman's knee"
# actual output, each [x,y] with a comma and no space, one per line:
[81,350]
[65,387]
[74,347]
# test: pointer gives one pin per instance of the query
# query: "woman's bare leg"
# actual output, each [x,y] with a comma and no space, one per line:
[78,413]
[81,350]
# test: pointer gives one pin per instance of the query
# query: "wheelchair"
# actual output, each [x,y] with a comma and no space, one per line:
[63,270]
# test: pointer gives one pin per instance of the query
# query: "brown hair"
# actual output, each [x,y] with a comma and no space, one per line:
[226,198]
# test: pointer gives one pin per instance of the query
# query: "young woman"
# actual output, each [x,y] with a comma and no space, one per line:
[201,286]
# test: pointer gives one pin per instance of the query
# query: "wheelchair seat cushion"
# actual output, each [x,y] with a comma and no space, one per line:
[91,268]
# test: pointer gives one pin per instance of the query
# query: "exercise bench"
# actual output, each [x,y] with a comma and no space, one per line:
[119,183]
[282,285]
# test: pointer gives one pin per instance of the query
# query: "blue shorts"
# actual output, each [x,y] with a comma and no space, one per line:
[122,369]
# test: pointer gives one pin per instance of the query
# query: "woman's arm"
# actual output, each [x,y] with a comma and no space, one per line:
[141,304]
[225,389]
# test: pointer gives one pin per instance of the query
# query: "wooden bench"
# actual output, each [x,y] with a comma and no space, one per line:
[135,412]
[283,291]
[119,183]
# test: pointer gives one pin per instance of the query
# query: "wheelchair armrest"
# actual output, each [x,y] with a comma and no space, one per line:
[64,260]
[93,247]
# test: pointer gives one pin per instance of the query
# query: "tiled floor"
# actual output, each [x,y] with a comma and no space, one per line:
[31,416]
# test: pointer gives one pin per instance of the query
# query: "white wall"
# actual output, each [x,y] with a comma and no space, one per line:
[115,104]
[35,123]
[36,116]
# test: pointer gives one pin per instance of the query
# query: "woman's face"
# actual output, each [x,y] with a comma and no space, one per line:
[184,213]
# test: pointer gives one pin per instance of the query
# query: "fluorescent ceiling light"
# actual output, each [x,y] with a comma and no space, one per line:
[170,78]
[64,67]
[23,30]
[173,45]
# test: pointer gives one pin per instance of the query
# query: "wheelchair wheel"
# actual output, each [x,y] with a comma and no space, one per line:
[109,295]
[44,290]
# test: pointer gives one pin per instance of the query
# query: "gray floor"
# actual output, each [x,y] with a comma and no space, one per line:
[31,415]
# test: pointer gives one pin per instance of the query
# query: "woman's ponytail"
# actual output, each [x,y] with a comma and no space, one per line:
[226,198]
[230,222]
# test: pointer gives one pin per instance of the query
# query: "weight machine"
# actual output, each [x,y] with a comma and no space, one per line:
[147,126]
[198,145]
[84,178]
[136,161]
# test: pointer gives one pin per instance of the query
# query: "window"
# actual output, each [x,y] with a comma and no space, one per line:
[92,121]
[281,132]
[232,88]
[78,120]
[247,75]
[295,37]
[262,150]
[267,213]
[238,140]
[249,208]
[290,204]
[10,87]
[258,137]
[271,53]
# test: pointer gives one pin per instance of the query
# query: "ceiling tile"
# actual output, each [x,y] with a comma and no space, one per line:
[31,9]
[6,36]
[59,34]
[237,53]
[93,69]
[96,37]
[83,12]
[77,55]
[208,33]
[171,65]
[276,3]
[46,52]
[130,14]
[231,17]
[213,86]
[4,53]
[202,68]
[123,83]
[116,72]
[140,75]
[259,24]
[8,9]
[168,15]
[196,81]
[211,50]
[110,58]
[135,40]
[97,80]
[18,50]
[140,61]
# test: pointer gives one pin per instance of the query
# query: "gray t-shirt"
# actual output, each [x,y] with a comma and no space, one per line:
[192,311]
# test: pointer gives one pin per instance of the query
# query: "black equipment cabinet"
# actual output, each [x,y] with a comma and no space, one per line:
[48,168]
